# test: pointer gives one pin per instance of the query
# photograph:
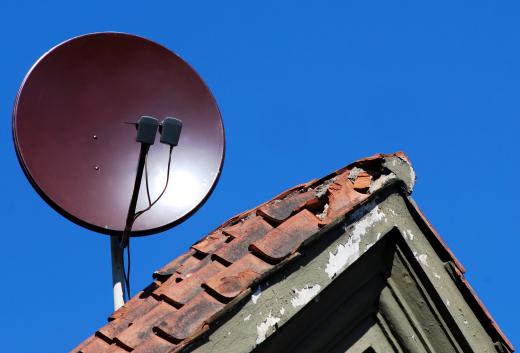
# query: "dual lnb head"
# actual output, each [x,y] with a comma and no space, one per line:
[169,128]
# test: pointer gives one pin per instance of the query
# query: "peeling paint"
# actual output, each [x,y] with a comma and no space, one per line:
[348,252]
[305,295]
[247,318]
[256,295]
[408,234]
[412,174]
[437,275]
[263,327]
[369,246]
[378,183]
[447,302]
[282,311]
[422,258]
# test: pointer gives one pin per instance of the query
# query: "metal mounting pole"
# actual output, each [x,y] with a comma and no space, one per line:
[133,201]
[118,282]
[146,131]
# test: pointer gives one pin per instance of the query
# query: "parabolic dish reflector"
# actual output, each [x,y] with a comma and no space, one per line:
[75,148]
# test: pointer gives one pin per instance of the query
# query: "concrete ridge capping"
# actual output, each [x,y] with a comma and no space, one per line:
[192,292]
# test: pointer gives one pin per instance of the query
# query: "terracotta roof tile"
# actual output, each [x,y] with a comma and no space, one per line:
[190,318]
[179,293]
[210,243]
[287,238]
[141,330]
[154,344]
[126,315]
[238,277]
[220,269]
[243,234]
[193,264]
[92,344]
[362,181]
[342,197]
[114,348]
[279,210]
[170,268]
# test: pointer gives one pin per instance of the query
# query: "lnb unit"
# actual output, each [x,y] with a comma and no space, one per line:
[170,131]
[146,130]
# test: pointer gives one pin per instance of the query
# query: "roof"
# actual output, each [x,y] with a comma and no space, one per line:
[190,293]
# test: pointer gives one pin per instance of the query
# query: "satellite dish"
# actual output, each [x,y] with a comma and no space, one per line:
[74,128]
[75,148]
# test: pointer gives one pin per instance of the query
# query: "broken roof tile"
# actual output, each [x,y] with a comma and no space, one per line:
[342,197]
[244,234]
[362,181]
[139,332]
[190,318]
[210,243]
[238,277]
[281,209]
[179,293]
[286,238]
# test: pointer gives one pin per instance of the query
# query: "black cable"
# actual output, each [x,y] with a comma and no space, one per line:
[126,233]
[139,213]
[146,181]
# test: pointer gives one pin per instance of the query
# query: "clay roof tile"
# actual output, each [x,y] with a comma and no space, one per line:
[285,239]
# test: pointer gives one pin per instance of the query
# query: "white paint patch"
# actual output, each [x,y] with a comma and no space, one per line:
[447,302]
[378,236]
[282,311]
[423,258]
[247,318]
[305,295]
[263,327]
[256,295]
[349,252]
[408,234]
[412,175]
[369,246]
[437,275]
[392,211]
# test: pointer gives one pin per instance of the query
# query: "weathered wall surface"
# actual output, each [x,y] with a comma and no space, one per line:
[281,297]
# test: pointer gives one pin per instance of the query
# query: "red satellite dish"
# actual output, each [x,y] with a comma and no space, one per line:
[71,140]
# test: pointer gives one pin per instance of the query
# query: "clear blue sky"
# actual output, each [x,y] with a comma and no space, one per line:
[304,88]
